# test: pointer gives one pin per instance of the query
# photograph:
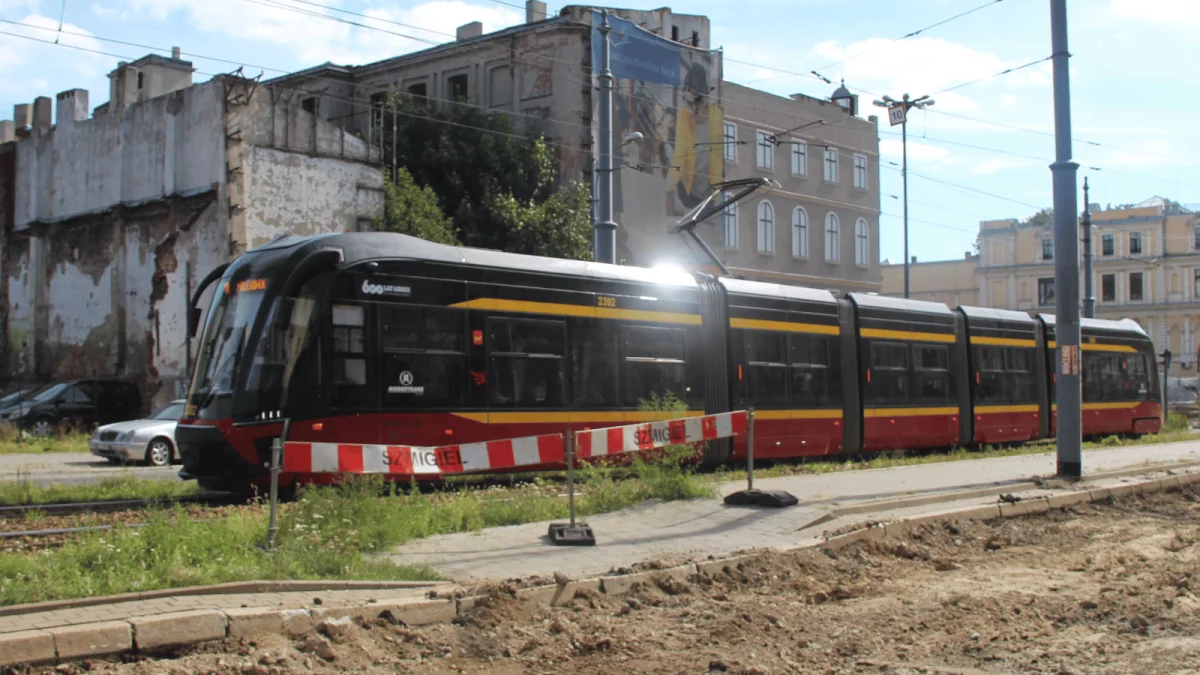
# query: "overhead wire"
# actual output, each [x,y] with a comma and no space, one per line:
[1006,71]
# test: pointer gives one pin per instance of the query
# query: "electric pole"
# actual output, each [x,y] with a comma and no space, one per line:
[1066,260]
[1089,298]
[898,114]
[604,229]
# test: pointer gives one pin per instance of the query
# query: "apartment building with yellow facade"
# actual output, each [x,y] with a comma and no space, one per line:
[1146,267]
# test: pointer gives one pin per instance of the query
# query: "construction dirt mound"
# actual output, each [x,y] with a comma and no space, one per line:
[1103,588]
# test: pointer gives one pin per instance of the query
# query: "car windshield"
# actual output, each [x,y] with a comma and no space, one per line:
[225,338]
[49,394]
[171,412]
[14,397]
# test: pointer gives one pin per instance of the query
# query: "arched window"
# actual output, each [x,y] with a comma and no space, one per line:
[862,243]
[766,227]
[799,233]
[832,249]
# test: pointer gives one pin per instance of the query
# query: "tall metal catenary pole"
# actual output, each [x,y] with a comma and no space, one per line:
[1066,260]
[904,178]
[605,229]
[1089,297]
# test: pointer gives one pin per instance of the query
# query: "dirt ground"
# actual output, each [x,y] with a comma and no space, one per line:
[1109,588]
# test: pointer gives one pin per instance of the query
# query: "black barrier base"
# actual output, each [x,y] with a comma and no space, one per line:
[773,498]
[566,534]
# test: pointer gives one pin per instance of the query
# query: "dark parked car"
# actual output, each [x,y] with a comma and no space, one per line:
[17,395]
[82,403]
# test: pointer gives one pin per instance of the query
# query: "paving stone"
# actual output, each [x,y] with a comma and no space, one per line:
[1025,507]
[247,621]
[556,595]
[1063,500]
[178,628]
[413,611]
[28,646]
[92,639]
[296,621]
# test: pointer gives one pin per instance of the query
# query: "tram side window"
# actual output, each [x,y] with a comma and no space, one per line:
[768,368]
[349,358]
[811,384]
[526,363]
[594,357]
[888,377]
[424,356]
[1139,377]
[990,387]
[1018,362]
[654,360]
[931,373]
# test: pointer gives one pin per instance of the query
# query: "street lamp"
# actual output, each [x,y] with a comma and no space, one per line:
[898,114]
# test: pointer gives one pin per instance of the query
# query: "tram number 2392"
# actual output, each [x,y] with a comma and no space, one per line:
[605,301]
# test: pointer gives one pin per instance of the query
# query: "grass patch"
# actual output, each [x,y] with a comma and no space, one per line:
[330,532]
[14,442]
[22,492]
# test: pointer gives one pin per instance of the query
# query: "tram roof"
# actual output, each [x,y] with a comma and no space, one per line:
[888,302]
[769,290]
[996,314]
[1100,324]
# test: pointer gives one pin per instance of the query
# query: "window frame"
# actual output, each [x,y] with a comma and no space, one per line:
[1136,241]
[456,354]
[799,158]
[765,221]
[729,136]
[764,150]
[860,170]
[1108,245]
[1141,283]
[628,363]
[729,224]
[862,243]
[800,233]
[1047,248]
[1046,299]
[494,355]
[833,234]
[1106,296]
[830,164]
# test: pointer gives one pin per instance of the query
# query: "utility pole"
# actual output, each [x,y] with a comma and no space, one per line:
[604,229]
[1066,260]
[1089,298]
[898,114]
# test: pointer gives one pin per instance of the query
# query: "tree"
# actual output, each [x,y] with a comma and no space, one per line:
[411,209]
[559,227]
[472,159]
[1044,217]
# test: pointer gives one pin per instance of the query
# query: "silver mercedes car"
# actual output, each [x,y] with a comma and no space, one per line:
[151,441]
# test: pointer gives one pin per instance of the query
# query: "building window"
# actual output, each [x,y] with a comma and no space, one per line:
[831,165]
[1108,287]
[1047,249]
[832,252]
[1196,285]
[1135,243]
[862,243]
[457,87]
[675,33]
[766,151]
[730,222]
[766,227]
[860,172]
[377,102]
[731,144]
[800,233]
[419,91]
[1108,245]
[1196,239]
[309,105]
[1046,291]
[1136,293]
[799,158]
[140,79]
[696,38]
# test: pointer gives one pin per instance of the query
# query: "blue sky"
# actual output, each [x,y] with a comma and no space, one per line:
[1132,68]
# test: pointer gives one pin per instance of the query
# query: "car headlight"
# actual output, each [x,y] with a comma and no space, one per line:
[126,437]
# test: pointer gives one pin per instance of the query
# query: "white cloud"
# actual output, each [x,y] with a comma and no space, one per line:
[1150,152]
[104,12]
[891,147]
[993,166]
[17,53]
[1007,99]
[1169,12]
[317,35]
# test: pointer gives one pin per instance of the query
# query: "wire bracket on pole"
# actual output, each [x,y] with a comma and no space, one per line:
[751,497]
[572,533]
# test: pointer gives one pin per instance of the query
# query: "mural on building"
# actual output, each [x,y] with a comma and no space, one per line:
[668,92]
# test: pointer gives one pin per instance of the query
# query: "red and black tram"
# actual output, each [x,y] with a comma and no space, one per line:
[386,339]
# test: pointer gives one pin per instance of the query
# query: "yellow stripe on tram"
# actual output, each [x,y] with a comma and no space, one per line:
[1099,347]
[905,335]
[576,416]
[562,309]
[907,412]
[827,414]
[989,409]
[1123,405]
[784,326]
[1002,342]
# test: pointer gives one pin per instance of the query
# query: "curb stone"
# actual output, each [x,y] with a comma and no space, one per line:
[182,628]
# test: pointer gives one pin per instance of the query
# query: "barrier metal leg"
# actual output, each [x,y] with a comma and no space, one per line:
[750,496]
[572,533]
[276,468]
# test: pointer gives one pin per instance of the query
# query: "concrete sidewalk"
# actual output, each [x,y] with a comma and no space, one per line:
[674,532]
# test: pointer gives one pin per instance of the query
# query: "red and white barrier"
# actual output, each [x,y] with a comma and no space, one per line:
[634,437]
[409,460]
